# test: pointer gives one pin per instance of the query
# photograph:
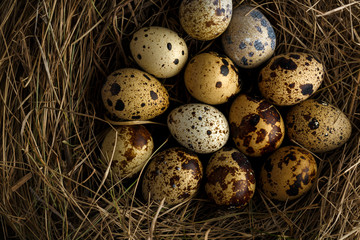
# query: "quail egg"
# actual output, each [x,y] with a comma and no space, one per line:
[131,94]
[212,78]
[129,147]
[318,126]
[174,174]
[250,39]
[199,127]
[159,51]
[290,78]
[288,173]
[203,19]
[230,179]
[256,126]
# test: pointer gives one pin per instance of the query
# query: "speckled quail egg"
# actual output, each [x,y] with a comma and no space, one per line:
[129,147]
[288,173]
[257,127]
[318,126]
[290,78]
[203,19]
[199,127]
[250,39]
[174,174]
[159,51]
[131,94]
[230,179]
[212,78]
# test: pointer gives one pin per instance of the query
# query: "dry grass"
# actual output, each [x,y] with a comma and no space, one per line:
[54,57]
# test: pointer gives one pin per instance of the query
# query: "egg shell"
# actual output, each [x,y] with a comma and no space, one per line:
[203,19]
[288,173]
[290,78]
[199,127]
[318,126]
[230,179]
[159,51]
[250,39]
[257,127]
[129,147]
[174,174]
[131,94]
[212,78]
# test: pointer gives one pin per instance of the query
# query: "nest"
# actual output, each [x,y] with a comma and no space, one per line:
[54,58]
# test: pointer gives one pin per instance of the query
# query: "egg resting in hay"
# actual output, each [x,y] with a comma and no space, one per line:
[159,51]
[318,126]
[288,173]
[132,94]
[203,19]
[250,39]
[212,78]
[199,127]
[290,78]
[230,179]
[130,146]
[173,174]
[256,126]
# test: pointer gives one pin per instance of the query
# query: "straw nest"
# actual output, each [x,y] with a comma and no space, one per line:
[54,58]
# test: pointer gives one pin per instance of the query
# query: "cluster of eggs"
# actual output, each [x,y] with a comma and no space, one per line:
[254,123]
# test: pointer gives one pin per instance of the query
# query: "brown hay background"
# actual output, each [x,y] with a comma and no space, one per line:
[54,57]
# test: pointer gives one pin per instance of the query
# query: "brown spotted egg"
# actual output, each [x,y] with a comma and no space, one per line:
[257,127]
[199,127]
[250,39]
[212,78]
[288,173]
[203,19]
[128,148]
[230,179]
[159,51]
[131,94]
[290,78]
[174,174]
[318,126]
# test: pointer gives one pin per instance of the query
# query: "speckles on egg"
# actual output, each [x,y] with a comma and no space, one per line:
[290,78]
[115,89]
[131,94]
[174,174]
[130,149]
[288,173]
[283,63]
[318,126]
[212,78]
[159,51]
[257,127]
[230,179]
[203,19]
[250,39]
[199,127]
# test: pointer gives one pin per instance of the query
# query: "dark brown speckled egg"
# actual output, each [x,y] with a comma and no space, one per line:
[230,179]
[250,39]
[256,126]
[290,78]
[288,173]
[131,94]
[128,147]
[318,126]
[173,174]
